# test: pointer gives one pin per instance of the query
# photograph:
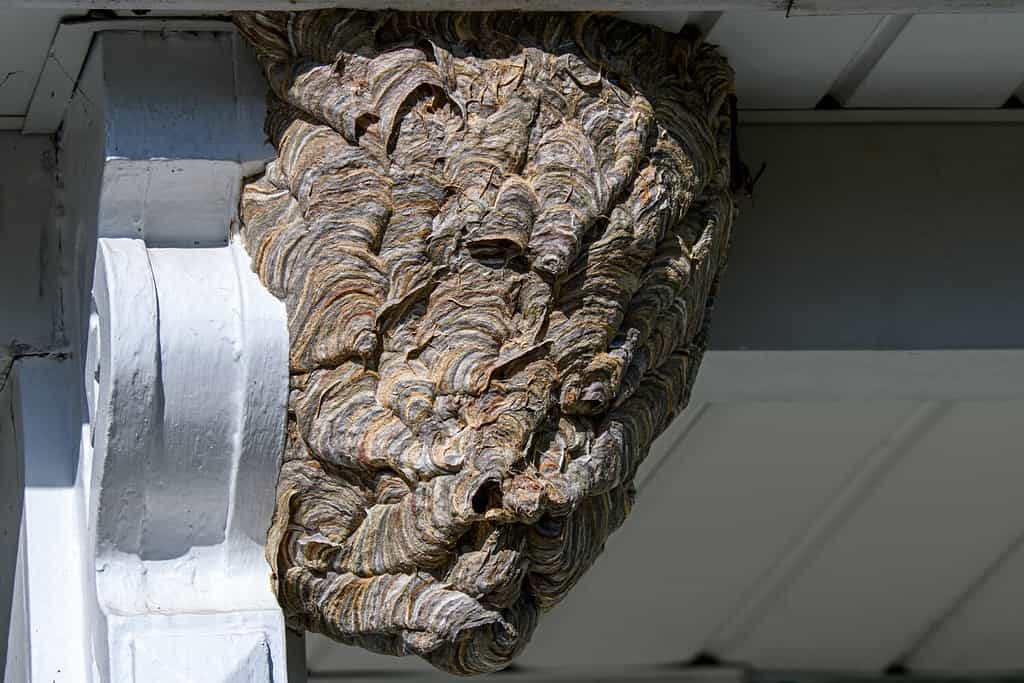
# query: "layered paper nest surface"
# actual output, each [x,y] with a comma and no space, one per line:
[496,236]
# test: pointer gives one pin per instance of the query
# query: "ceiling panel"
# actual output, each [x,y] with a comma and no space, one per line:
[940,519]
[739,489]
[744,486]
[984,633]
[24,40]
[788,63]
[960,60]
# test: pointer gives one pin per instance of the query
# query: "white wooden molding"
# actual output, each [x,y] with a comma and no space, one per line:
[156,538]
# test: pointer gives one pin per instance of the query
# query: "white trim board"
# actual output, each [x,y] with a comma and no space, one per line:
[67,55]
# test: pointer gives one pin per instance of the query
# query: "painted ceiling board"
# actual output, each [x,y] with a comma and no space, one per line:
[940,519]
[743,485]
[821,259]
[788,63]
[831,7]
[963,60]
[984,633]
[24,40]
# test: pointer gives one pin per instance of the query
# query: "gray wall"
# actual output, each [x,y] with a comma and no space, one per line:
[877,236]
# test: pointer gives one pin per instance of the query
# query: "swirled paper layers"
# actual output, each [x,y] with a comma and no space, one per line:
[497,236]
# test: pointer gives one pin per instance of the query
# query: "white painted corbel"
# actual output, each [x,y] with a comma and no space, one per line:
[183,359]
[186,377]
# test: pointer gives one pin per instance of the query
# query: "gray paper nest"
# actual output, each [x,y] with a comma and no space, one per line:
[496,236]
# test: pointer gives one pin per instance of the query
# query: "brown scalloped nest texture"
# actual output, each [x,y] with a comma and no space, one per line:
[496,236]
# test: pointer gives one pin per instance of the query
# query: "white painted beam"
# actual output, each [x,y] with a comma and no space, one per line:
[981,634]
[16,669]
[29,295]
[24,37]
[742,484]
[13,606]
[182,346]
[796,7]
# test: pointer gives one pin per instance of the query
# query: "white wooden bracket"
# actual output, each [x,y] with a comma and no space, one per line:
[182,356]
